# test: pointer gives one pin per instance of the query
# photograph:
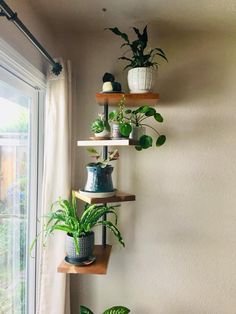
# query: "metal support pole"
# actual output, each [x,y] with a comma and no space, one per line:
[12,16]
[105,155]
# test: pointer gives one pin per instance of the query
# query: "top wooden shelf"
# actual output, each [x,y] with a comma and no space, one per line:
[132,100]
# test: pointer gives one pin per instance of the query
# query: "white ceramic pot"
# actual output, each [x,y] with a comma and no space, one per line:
[103,134]
[137,132]
[141,80]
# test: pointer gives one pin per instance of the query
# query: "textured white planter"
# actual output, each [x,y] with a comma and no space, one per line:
[141,80]
[103,134]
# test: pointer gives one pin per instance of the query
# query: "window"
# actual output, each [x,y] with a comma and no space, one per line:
[19,175]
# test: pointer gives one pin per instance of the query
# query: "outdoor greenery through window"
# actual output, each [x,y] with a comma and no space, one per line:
[17,203]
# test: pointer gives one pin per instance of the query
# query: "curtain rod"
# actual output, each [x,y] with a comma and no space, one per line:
[12,16]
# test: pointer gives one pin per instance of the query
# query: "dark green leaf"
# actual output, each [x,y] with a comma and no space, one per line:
[145,141]
[161,140]
[124,58]
[128,111]
[125,129]
[150,112]
[138,147]
[116,31]
[158,117]
[85,310]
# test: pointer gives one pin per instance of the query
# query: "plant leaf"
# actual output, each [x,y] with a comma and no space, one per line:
[117,310]
[161,140]
[116,31]
[145,141]
[125,129]
[158,117]
[150,112]
[138,148]
[85,310]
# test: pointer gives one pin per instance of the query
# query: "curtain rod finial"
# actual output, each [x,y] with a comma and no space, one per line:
[57,68]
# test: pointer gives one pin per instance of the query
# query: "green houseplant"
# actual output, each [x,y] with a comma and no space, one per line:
[120,126]
[138,119]
[141,60]
[113,310]
[101,127]
[99,180]
[79,229]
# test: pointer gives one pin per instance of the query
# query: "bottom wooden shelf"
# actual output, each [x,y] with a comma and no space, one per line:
[99,267]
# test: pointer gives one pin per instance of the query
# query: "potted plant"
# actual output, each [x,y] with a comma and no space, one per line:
[113,310]
[138,119]
[79,230]
[120,126]
[141,61]
[101,128]
[99,179]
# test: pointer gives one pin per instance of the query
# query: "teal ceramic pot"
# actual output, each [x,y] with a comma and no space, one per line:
[99,179]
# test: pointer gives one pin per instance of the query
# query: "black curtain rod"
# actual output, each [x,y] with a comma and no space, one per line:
[12,16]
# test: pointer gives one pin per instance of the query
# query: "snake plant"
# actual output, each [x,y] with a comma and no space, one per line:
[113,310]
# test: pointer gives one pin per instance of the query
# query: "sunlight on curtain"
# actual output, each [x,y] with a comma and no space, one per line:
[53,292]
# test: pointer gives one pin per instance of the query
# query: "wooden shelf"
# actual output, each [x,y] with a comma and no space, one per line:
[99,267]
[132,100]
[119,197]
[123,142]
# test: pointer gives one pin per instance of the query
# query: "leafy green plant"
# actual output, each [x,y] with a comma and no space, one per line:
[118,116]
[65,218]
[138,118]
[113,310]
[112,156]
[139,57]
[100,124]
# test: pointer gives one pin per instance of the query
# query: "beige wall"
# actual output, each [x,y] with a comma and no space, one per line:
[38,27]
[180,233]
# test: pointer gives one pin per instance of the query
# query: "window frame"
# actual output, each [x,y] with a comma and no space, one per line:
[18,66]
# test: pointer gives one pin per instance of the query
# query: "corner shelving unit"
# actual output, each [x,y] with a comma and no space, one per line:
[102,252]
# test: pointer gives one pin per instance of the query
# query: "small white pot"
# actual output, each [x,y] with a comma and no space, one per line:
[137,132]
[103,134]
[141,80]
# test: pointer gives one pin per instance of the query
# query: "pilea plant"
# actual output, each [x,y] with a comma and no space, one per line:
[113,310]
[138,118]
[139,57]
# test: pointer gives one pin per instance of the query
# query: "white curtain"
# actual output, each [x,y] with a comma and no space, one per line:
[53,290]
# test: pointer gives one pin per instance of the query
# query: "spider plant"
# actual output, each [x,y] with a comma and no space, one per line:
[113,310]
[64,217]
[138,118]
[139,57]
